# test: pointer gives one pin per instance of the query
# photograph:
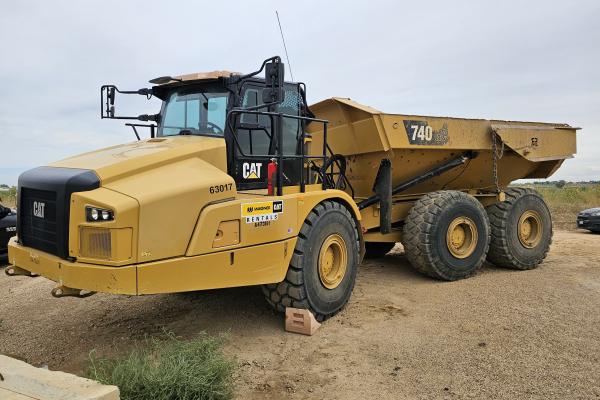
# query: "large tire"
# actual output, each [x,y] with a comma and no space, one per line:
[432,236]
[510,247]
[378,249]
[328,226]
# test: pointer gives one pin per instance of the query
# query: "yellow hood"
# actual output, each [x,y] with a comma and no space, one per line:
[117,162]
[169,179]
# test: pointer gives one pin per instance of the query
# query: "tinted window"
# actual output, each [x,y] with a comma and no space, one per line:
[200,112]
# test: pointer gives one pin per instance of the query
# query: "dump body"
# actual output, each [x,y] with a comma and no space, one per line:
[417,144]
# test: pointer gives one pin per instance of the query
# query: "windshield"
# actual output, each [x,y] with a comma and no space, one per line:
[195,113]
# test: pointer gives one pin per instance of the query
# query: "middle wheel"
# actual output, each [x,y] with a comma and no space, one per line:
[447,235]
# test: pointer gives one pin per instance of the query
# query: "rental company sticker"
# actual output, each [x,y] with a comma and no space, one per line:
[262,212]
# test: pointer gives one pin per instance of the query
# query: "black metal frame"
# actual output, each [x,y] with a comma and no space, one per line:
[328,158]
[152,129]
[279,156]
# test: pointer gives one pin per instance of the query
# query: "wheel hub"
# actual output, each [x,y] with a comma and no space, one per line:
[333,261]
[530,229]
[461,237]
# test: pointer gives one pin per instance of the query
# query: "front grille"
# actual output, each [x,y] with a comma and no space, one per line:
[44,205]
[38,222]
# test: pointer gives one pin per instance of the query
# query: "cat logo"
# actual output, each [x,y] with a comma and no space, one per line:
[251,170]
[38,209]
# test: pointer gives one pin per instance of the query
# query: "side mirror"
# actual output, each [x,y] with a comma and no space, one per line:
[274,78]
[111,96]
[107,100]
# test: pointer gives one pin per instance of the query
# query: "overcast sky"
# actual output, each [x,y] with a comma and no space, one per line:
[523,60]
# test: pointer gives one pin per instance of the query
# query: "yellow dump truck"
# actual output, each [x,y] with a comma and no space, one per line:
[243,183]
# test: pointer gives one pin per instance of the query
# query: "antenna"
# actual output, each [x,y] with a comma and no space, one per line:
[284,46]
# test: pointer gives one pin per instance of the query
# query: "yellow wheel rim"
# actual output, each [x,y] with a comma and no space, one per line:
[333,261]
[461,238]
[530,229]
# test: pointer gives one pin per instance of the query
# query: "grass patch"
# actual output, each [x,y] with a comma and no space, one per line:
[169,369]
[566,202]
[8,197]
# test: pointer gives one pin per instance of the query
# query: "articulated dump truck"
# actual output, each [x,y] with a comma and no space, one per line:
[242,183]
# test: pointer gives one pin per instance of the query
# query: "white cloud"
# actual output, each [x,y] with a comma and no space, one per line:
[507,60]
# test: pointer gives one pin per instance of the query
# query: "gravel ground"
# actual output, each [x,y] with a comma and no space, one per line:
[501,334]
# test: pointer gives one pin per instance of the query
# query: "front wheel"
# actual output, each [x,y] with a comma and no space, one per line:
[324,265]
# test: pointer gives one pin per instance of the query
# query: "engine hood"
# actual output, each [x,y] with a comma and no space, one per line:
[169,180]
[118,162]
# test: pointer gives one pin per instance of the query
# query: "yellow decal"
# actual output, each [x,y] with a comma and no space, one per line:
[261,212]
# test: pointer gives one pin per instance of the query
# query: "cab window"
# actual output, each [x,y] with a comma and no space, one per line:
[195,112]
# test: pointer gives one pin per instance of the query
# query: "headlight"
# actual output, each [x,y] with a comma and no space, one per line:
[95,214]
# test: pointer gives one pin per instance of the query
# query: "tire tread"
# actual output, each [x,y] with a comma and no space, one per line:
[500,254]
[293,292]
[417,240]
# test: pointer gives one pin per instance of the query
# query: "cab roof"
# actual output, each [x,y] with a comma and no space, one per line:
[199,76]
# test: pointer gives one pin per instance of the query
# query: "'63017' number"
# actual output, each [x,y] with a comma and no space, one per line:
[220,188]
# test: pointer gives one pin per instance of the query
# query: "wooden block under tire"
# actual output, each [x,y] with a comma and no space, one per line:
[299,320]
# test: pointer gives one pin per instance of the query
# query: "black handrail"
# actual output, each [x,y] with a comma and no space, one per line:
[276,121]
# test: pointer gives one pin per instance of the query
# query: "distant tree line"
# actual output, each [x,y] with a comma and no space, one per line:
[561,183]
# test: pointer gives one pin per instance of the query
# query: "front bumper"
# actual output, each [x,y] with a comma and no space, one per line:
[90,277]
[589,223]
[253,265]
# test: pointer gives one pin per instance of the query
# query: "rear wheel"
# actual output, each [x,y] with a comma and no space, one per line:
[378,249]
[323,268]
[446,235]
[521,230]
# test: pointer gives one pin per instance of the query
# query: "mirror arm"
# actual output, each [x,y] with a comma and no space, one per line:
[240,78]
[149,117]
[107,100]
